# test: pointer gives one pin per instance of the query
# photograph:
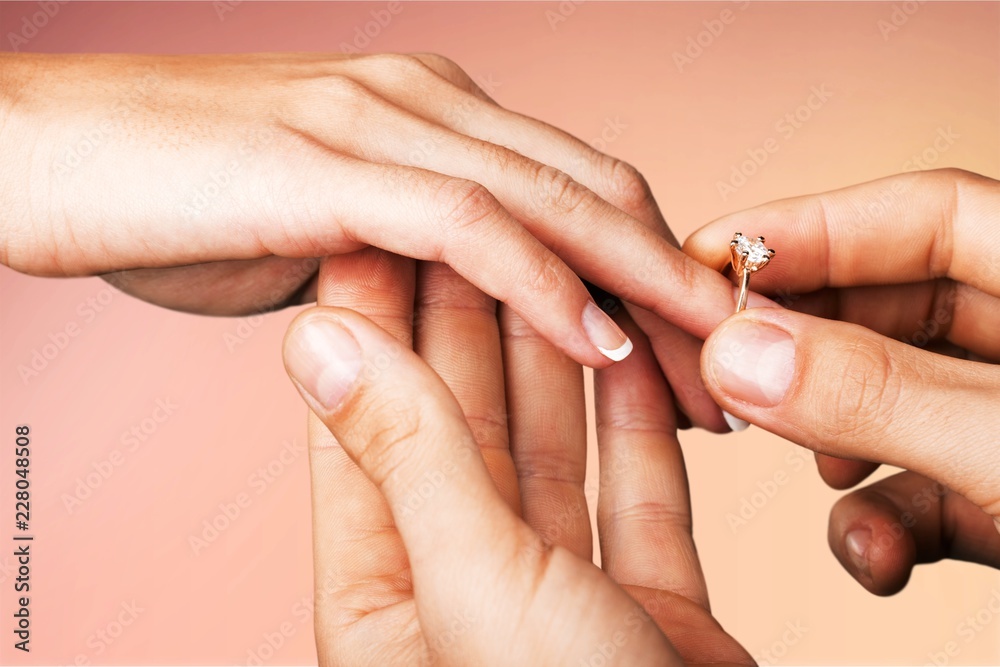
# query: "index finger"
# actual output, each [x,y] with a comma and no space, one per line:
[899,229]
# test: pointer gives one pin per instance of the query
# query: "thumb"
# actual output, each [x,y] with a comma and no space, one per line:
[399,422]
[842,389]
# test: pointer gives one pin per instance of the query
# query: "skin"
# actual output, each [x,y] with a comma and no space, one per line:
[211,183]
[445,533]
[866,295]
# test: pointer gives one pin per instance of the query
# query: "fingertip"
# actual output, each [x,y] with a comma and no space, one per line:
[841,473]
[323,357]
[872,543]
[709,245]
[749,360]
[604,333]
[735,423]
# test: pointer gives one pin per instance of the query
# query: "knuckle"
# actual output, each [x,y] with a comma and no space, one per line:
[628,187]
[352,99]
[392,443]
[559,191]
[546,274]
[394,61]
[867,392]
[442,66]
[464,206]
[955,175]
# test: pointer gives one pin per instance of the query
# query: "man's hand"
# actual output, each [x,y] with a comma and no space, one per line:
[449,516]
[890,267]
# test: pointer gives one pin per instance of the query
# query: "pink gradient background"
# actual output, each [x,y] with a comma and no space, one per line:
[685,130]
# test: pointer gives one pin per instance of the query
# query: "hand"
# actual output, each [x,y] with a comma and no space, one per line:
[220,178]
[446,532]
[898,264]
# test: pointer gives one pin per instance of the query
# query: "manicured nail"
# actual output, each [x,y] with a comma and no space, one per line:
[735,423]
[857,542]
[754,362]
[604,333]
[325,359]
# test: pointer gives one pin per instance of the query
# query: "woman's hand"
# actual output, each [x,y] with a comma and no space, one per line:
[219,178]
[449,515]
[890,267]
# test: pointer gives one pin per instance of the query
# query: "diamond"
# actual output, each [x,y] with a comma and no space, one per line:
[749,254]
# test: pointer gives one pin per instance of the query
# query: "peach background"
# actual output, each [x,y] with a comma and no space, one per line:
[685,130]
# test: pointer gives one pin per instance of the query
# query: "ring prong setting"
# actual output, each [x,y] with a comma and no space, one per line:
[748,257]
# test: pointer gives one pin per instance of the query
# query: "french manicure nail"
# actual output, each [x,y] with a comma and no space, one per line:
[857,542]
[325,359]
[754,362]
[604,333]
[735,423]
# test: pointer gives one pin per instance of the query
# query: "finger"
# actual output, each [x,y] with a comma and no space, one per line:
[916,313]
[460,105]
[906,228]
[843,390]
[456,333]
[880,532]
[332,204]
[405,430]
[843,473]
[677,353]
[450,71]
[399,422]
[548,435]
[644,510]
[633,263]
[351,520]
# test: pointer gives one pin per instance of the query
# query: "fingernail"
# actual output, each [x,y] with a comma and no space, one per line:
[857,542]
[325,360]
[754,362]
[735,423]
[604,333]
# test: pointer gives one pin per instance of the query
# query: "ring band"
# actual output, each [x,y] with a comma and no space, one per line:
[749,257]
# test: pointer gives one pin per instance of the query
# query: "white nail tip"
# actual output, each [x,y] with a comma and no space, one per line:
[735,423]
[618,353]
